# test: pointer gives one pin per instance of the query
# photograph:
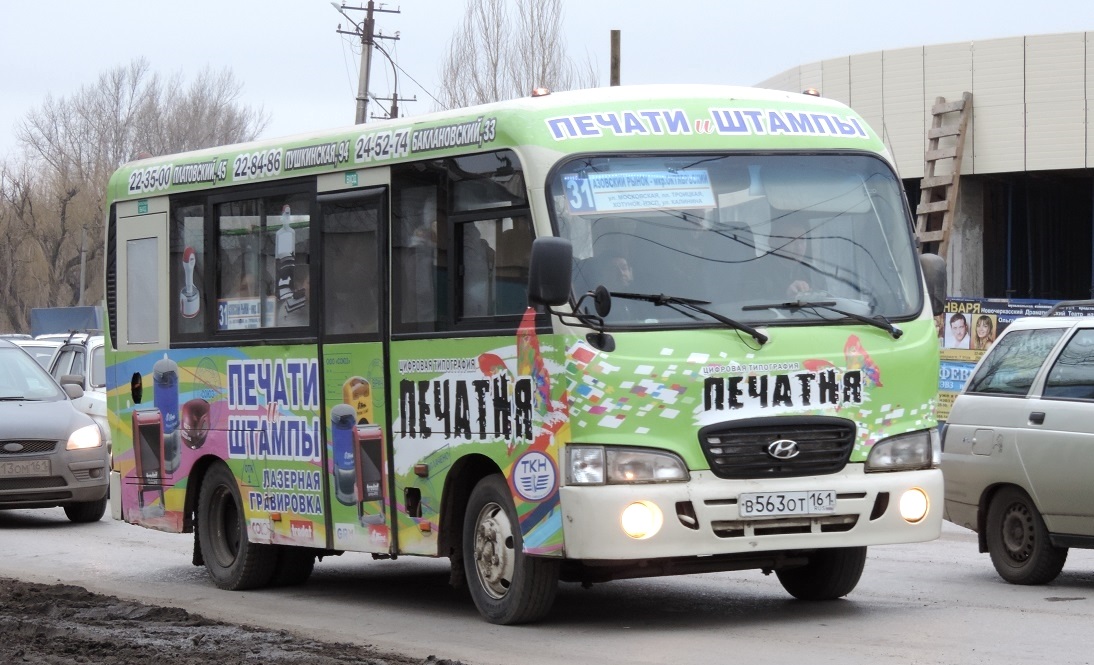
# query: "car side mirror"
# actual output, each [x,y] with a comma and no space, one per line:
[549,271]
[73,380]
[934,272]
[73,390]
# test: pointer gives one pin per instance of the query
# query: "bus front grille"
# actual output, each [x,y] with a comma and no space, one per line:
[779,447]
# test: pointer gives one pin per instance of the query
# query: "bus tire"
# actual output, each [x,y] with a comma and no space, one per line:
[233,561]
[508,586]
[830,574]
[294,565]
[1018,540]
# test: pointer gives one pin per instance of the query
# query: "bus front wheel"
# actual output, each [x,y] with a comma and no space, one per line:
[508,586]
[830,574]
[233,561]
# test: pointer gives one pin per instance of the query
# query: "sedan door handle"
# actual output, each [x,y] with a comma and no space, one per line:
[1037,418]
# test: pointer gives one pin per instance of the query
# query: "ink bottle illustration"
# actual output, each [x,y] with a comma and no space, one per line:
[165,397]
[343,421]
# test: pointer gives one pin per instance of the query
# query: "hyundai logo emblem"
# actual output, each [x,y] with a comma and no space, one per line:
[783,449]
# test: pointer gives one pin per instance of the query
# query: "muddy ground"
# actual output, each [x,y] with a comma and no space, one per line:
[61,624]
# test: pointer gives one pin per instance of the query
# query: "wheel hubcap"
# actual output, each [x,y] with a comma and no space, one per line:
[1018,532]
[494,553]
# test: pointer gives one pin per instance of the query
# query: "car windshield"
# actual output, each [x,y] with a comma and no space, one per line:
[21,378]
[41,351]
[742,235]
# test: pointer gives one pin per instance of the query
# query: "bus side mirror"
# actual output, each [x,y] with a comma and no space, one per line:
[549,272]
[934,271]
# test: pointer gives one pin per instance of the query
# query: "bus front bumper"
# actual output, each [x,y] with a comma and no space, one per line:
[701,516]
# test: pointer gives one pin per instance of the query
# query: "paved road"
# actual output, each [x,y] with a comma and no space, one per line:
[938,602]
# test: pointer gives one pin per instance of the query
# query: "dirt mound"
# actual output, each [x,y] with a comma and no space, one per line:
[61,624]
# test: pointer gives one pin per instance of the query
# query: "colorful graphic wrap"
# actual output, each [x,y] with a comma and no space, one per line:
[660,397]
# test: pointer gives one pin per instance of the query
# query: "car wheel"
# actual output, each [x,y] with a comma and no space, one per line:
[830,574]
[86,511]
[1018,540]
[233,561]
[507,585]
[294,565]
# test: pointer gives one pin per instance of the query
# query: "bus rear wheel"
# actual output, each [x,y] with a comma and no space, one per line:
[508,586]
[294,565]
[830,574]
[233,561]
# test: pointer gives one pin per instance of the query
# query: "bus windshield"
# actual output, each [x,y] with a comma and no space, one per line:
[762,239]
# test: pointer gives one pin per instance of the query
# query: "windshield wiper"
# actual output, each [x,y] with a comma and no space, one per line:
[830,305]
[676,302]
[13,398]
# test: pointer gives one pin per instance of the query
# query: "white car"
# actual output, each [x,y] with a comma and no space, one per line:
[1018,448]
[81,360]
[41,350]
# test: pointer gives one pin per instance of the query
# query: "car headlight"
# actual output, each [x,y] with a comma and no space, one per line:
[914,450]
[599,465]
[87,436]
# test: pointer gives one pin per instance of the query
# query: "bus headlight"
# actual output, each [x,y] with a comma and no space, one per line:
[641,520]
[914,450]
[914,505]
[599,465]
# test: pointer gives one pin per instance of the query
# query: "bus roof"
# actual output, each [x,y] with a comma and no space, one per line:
[614,119]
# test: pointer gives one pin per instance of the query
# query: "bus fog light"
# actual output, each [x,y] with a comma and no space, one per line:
[641,520]
[914,505]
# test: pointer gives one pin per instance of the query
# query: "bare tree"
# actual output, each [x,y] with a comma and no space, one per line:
[494,56]
[52,199]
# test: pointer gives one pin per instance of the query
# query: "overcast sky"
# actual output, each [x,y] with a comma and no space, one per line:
[304,75]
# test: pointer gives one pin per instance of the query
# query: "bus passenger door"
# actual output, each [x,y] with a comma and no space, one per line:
[143,452]
[352,353]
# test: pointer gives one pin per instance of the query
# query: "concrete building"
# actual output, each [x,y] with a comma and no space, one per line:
[1023,226]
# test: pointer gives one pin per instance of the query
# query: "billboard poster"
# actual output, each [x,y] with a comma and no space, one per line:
[967,329]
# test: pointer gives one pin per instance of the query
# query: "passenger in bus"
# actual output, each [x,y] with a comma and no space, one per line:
[615,271]
[478,272]
[798,276]
[236,281]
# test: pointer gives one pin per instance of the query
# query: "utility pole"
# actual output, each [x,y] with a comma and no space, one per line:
[83,264]
[394,99]
[615,57]
[366,30]
[366,65]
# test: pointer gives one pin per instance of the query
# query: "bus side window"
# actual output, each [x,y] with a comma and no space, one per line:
[419,265]
[351,275]
[188,268]
[263,262]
